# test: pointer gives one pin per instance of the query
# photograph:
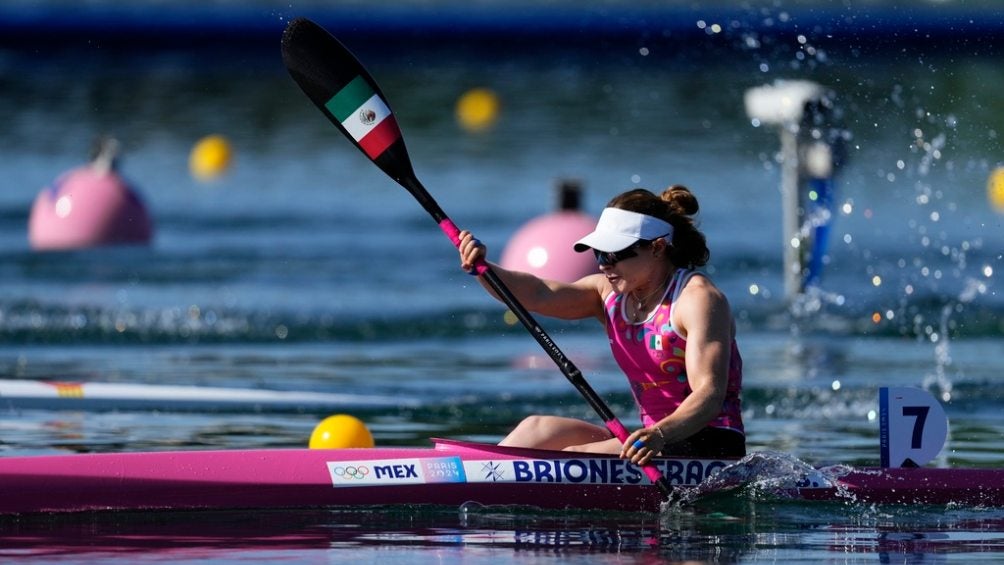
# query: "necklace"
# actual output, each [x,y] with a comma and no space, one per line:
[640,302]
[640,309]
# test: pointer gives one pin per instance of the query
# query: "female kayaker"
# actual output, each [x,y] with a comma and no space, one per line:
[671,331]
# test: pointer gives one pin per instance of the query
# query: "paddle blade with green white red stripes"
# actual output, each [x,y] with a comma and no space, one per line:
[332,77]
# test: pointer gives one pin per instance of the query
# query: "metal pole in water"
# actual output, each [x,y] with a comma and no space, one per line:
[801,112]
[791,211]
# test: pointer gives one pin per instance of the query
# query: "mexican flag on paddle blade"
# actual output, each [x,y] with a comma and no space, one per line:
[365,116]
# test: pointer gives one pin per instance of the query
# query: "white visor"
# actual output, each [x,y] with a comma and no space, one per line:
[619,229]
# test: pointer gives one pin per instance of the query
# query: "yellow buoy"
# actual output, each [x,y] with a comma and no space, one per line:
[211,157]
[995,189]
[477,109]
[340,431]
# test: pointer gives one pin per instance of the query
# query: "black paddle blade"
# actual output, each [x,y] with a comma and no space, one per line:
[332,77]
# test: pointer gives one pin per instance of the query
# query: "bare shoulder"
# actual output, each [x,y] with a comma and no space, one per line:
[600,288]
[700,285]
[701,302]
[599,283]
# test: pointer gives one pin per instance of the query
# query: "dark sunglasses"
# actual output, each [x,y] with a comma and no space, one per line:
[611,258]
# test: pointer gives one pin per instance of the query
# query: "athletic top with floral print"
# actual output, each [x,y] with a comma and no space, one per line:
[651,355]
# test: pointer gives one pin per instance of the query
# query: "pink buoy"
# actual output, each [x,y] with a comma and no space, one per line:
[89,206]
[543,246]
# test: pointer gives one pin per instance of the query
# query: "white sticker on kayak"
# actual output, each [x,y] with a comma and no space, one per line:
[597,471]
[396,472]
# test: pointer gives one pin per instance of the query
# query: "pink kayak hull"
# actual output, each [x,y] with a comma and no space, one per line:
[449,474]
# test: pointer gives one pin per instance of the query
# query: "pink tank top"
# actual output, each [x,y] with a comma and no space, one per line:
[651,355]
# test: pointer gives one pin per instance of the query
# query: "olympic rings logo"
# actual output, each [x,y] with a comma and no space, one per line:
[351,472]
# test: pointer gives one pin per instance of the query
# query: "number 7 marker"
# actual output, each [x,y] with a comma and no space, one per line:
[912,427]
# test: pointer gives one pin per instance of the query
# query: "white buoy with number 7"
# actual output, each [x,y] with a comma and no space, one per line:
[912,427]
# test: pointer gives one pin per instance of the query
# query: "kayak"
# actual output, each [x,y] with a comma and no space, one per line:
[450,473]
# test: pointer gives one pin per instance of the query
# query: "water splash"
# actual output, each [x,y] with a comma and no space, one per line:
[764,475]
[926,196]
[939,379]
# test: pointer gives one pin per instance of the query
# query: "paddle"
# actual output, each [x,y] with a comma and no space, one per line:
[342,89]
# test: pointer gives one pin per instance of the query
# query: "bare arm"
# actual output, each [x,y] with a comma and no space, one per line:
[569,301]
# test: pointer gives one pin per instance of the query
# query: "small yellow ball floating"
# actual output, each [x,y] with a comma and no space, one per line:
[995,189]
[211,156]
[510,318]
[477,109]
[340,431]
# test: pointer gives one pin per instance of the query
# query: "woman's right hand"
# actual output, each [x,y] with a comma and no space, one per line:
[471,251]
